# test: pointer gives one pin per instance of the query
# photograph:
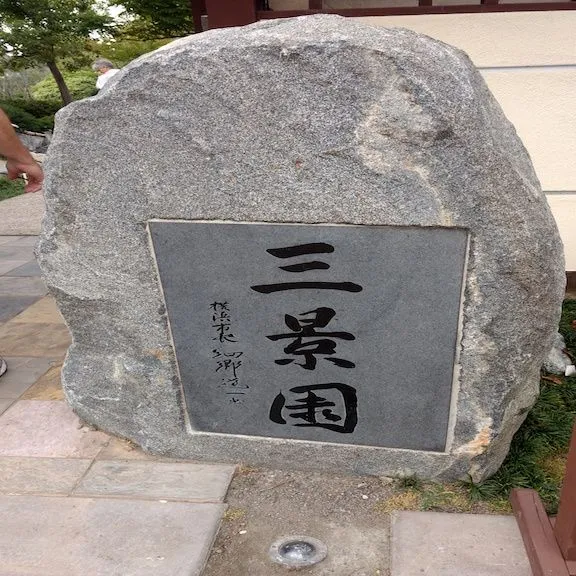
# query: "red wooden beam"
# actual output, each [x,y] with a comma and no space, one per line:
[565,525]
[225,13]
[551,546]
[407,10]
[198,8]
[541,546]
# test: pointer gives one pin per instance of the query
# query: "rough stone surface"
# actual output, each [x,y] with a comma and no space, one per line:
[173,481]
[557,361]
[441,544]
[55,536]
[315,120]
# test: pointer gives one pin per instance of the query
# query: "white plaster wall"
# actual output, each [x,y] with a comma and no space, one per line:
[564,209]
[499,38]
[529,62]
[541,103]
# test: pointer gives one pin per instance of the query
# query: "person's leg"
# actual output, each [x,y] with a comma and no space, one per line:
[3,366]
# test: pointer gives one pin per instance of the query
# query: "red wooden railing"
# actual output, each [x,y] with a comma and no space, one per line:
[224,13]
[550,545]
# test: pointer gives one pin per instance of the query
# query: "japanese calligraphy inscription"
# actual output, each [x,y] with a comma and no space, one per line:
[344,334]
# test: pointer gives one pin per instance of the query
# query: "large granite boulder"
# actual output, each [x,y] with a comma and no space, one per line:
[316,120]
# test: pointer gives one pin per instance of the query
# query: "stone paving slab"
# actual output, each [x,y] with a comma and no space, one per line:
[9,239]
[11,306]
[22,373]
[40,475]
[47,387]
[23,339]
[10,286]
[170,481]
[22,215]
[5,404]
[26,241]
[13,251]
[28,269]
[44,311]
[442,544]
[7,266]
[120,449]
[51,536]
[46,429]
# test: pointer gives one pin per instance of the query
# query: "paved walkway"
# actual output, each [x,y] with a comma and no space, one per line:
[442,544]
[74,501]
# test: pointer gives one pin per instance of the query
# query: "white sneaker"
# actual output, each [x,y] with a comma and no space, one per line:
[3,366]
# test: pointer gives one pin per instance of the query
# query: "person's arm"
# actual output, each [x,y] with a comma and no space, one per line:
[19,160]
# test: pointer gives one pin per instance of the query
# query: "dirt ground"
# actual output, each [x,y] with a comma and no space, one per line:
[341,511]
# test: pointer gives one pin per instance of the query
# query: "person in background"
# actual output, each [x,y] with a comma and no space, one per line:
[105,70]
[19,162]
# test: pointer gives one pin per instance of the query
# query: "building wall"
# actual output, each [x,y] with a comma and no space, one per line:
[529,62]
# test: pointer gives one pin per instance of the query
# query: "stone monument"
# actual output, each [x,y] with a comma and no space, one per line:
[304,243]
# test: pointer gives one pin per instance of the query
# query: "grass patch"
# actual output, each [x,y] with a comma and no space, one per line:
[409,499]
[410,482]
[437,497]
[537,457]
[233,514]
[10,188]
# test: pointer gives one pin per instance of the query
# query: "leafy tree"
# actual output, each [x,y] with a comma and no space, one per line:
[81,84]
[15,84]
[121,50]
[153,19]
[44,32]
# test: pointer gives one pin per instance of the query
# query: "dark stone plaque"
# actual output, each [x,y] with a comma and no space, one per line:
[343,334]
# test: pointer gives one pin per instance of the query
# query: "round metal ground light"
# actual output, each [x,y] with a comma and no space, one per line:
[298,551]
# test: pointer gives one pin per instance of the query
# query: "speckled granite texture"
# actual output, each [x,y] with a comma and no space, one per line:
[310,120]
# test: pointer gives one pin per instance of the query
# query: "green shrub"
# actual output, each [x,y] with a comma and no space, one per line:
[122,51]
[81,83]
[31,114]
[46,123]
[21,118]
[38,108]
